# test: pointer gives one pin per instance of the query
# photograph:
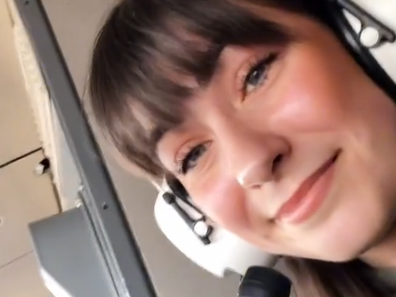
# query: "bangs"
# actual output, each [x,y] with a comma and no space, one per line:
[148,49]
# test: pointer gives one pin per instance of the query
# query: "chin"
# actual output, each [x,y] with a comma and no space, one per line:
[339,250]
[351,226]
[345,257]
[340,243]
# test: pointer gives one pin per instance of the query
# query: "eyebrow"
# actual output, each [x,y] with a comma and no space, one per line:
[157,133]
[211,60]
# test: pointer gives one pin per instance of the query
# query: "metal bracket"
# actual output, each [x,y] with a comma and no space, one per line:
[373,33]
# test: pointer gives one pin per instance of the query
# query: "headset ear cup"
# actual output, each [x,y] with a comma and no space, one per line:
[351,40]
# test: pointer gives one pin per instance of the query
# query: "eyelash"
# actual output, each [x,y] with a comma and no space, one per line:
[262,63]
[182,163]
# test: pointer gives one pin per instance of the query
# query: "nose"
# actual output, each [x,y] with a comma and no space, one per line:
[259,172]
[254,157]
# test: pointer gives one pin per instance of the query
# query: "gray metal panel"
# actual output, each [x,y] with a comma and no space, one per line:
[69,177]
[67,251]
[119,247]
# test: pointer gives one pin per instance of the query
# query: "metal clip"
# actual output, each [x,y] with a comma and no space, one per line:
[200,226]
[373,33]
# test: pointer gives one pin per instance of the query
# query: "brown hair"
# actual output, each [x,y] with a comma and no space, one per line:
[140,54]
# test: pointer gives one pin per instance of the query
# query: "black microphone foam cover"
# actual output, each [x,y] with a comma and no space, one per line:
[264,282]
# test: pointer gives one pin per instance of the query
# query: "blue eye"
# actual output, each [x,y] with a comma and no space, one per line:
[258,73]
[191,159]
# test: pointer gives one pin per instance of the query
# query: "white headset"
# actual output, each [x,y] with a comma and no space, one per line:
[368,27]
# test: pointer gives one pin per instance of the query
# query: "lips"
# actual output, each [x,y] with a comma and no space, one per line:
[309,196]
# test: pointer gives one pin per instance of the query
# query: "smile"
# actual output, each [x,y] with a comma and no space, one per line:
[309,196]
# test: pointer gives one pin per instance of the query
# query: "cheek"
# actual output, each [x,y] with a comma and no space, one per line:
[222,199]
[313,91]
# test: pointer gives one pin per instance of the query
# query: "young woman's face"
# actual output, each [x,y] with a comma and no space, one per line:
[292,149]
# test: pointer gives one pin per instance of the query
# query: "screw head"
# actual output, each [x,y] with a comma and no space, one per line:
[370,37]
[201,228]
